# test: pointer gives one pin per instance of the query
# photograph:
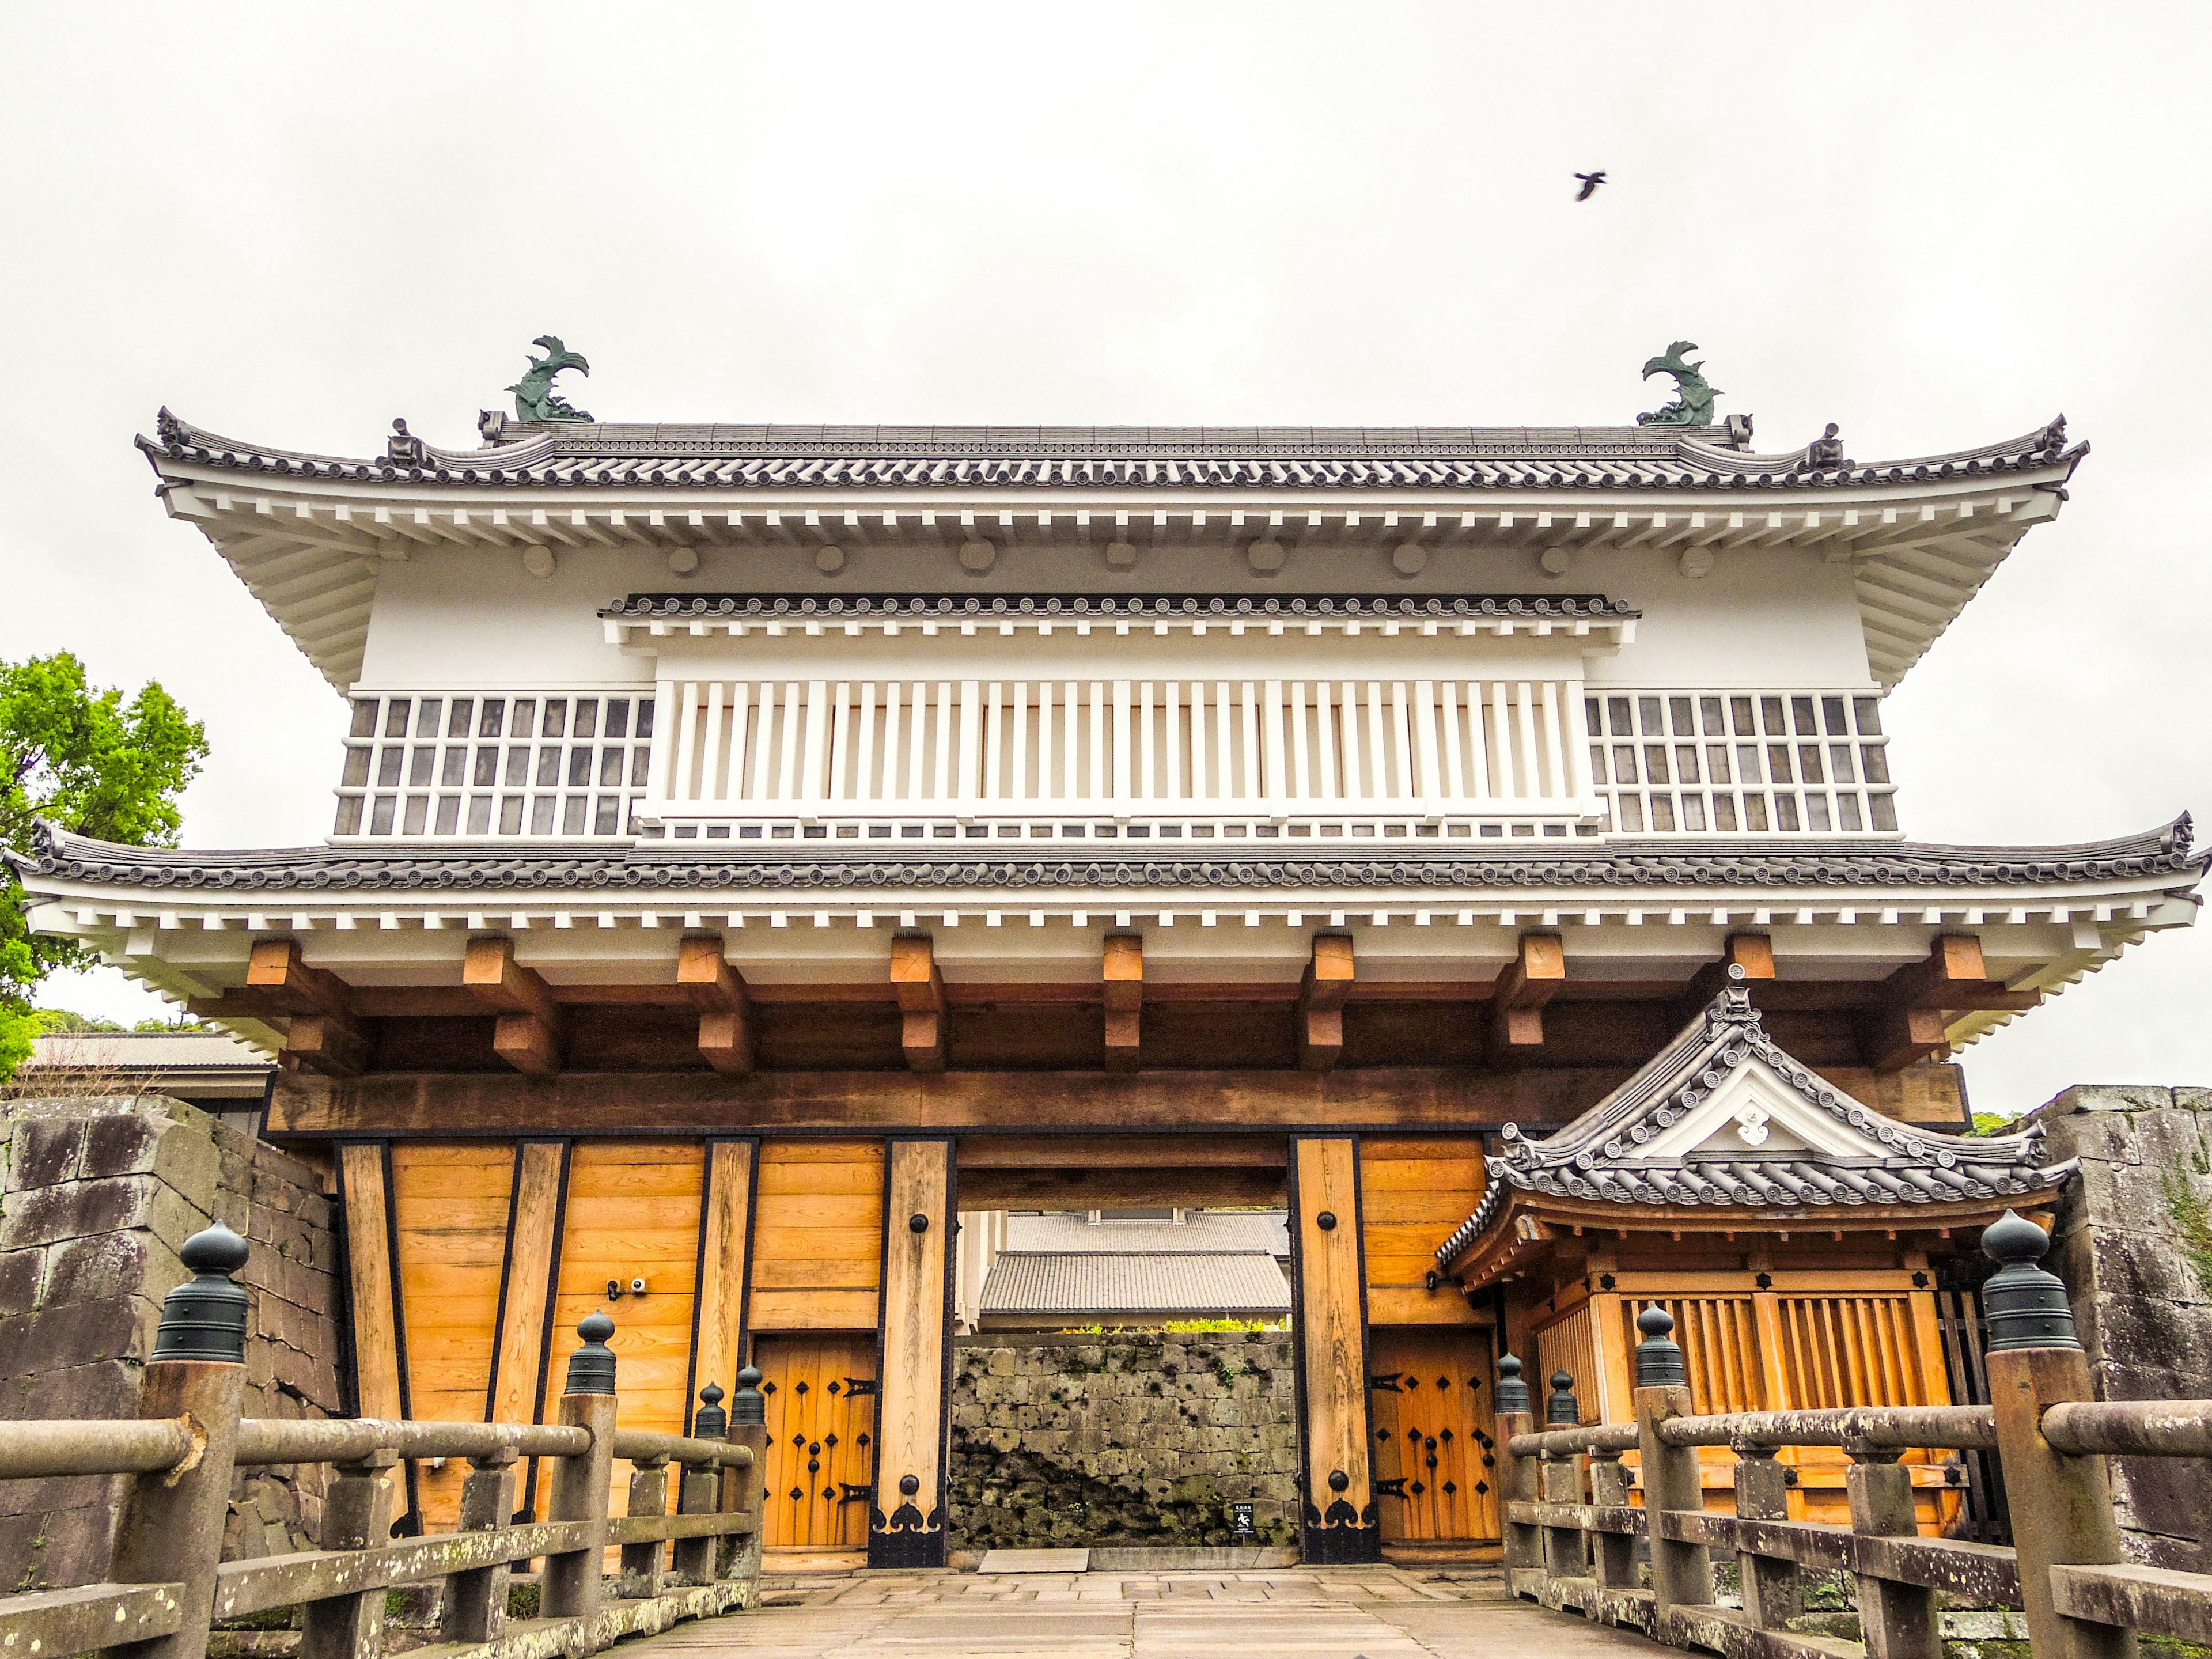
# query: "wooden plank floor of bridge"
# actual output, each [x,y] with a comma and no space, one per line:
[1375,1613]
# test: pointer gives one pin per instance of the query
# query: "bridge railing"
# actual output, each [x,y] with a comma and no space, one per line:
[1573,1532]
[167,1584]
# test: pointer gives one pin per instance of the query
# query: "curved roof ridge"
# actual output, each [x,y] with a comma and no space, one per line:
[685,455]
[414,865]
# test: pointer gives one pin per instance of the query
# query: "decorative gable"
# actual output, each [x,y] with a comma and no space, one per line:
[1723,1117]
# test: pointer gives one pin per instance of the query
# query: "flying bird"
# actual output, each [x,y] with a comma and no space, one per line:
[1590,182]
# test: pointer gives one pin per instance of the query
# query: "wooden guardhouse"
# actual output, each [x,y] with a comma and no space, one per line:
[1789,1229]
[754,846]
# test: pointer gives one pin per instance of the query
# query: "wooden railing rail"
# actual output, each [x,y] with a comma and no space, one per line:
[1572,1532]
[168,1584]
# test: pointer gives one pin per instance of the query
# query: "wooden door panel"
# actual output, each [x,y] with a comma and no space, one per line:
[821,1438]
[1435,1462]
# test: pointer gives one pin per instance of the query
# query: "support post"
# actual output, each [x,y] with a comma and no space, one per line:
[572,1578]
[476,1600]
[1773,1593]
[919,988]
[1612,1554]
[742,1488]
[170,1530]
[649,1495]
[1341,1525]
[1681,1574]
[1524,1546]
[1124,980]
[356,1516]
[1329,975]
[2062,1506]
[905,1525]
[701,1492]
[1897,1621]
[1564,1551]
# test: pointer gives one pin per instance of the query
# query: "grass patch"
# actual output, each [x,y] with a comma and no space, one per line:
[2192,1220]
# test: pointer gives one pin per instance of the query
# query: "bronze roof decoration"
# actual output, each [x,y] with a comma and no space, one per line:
[535,400]
[1693,398]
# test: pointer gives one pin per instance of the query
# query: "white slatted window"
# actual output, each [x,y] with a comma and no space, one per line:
[1741,763]
[553,765]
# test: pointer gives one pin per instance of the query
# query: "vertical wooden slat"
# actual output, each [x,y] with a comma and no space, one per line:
[943,784]
[1224,741]
[1172,787]
[669,735]
[864,780]
[1325,739]
[1405,788]
[1018,788]
[1578,742]
[1122,745]
[1478,746]
[1301,784]
[532,1230]
[1200,787]
[1044,773]
[1526,775]
[892,700]
[917,741]
[834,787]
[970,751]
[1248,735]
[1430,784]
[1378,746]
[725,1231]
[1555,780]
[369,1259]
[992,787]
[911,1409]
[1147,750]
[1071,740]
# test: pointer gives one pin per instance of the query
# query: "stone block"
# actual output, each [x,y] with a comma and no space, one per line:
[79,1209]
[57,1549]
[45,1150]
[22,1275]
[103,1388]
[102,1266]
[78,1334]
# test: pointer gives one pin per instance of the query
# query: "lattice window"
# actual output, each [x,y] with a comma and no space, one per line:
[556,764]
[1852,1351]
[1741,763]
[1567,1345]
[1719,1336]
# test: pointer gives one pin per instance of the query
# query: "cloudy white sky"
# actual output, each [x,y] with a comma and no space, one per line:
[1938,226]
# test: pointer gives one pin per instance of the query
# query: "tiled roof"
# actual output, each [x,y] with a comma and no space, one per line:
[657,866]
[1595,1158]
[1199,1233]
[166,1051]
[1110,457]
[1081,1282]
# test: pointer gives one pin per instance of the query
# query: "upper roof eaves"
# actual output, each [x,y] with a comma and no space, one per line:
[921,458]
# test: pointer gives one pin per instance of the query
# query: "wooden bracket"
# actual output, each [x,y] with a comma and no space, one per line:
[1321,1002]
[1524,985]
[921,992]
[1753,952]
[324,1036]
[528,1034]
[1124,972]
[1908,1022]
[718,992]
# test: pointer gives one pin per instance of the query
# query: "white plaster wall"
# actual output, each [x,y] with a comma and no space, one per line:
[467,619]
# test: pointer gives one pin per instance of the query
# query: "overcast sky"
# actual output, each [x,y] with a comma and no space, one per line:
[1938,226]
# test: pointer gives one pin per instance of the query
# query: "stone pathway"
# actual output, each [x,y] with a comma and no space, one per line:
[1323,1613]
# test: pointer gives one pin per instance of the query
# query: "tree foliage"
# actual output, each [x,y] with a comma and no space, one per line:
[88,761]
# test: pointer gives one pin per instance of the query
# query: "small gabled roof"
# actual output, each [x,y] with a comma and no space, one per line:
[1722,1118]
[1248,1285]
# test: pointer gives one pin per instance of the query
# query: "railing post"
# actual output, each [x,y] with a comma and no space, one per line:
[2062,1506]
[649,1495]
[701,1492]
[170,1530]
[1612,1554]
[741,1488]
[356,1516]
[1773,1591]
[476,1600]
[572,1578]
[1681,1574]
[1896,1621]
[1564,1555]
[1524,1545]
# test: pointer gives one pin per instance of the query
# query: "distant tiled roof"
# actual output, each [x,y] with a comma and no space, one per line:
[1596,1156]
[1116,457]
[214,874]
[1572,607]
[171,1051]
[1084,1283]
[1199,1233]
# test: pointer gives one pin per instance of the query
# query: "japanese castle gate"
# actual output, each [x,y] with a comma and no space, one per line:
[753,846]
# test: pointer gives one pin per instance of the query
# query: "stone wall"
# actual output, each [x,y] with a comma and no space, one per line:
[1133,1437]
[96,1198]
[2135,1247]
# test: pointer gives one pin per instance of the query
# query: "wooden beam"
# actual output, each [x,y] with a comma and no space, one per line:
[978,1152]
[1322,993]
[1332,1328]
[1524,985]
[1124,974]
[323,1034]
[528,1034]
[1083,1188]
[1953,978]
[726,1227]
[1894,1038]
[718,992]
[376,1307]
[920,991]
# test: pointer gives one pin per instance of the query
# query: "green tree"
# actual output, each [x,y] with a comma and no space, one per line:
[88,761]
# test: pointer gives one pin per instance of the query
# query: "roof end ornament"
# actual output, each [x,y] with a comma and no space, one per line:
[1693,397]
[535,400]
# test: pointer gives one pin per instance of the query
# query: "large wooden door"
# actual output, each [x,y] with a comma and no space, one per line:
[821,1438]
[1435,1471]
